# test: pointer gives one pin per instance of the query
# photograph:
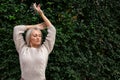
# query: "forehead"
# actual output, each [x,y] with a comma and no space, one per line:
[36,32]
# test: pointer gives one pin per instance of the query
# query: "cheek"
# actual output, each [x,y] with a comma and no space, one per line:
[40,38]
[32,39]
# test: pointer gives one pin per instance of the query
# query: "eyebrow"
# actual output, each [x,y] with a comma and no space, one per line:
[34,34]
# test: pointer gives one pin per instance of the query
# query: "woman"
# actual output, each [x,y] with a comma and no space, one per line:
[33,55]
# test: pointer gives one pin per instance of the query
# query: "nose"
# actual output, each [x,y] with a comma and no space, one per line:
[38,38]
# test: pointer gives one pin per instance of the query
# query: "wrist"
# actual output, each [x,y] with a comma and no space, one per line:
[40,12]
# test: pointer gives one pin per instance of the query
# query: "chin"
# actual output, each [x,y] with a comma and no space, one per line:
[38,44]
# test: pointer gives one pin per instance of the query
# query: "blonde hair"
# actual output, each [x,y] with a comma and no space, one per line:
[28,34]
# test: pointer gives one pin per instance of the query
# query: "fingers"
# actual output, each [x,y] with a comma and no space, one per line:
[42,25]
[34,5]
[38,5]
[37,8]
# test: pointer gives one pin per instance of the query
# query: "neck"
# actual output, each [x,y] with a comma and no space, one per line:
[34,46]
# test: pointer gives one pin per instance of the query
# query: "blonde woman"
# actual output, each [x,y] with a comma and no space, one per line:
[33,55]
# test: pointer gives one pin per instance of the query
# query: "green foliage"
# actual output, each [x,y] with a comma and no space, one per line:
[87,42]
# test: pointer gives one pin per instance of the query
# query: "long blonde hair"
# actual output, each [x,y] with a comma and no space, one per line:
[28,34]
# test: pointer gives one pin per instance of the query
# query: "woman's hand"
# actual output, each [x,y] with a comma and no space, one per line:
[45,19]
[42,26]
[37,8]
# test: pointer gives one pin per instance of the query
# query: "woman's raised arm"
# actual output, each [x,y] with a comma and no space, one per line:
[40,12]
[42,26]
[50,39]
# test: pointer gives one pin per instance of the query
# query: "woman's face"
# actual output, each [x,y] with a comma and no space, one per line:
[35,38]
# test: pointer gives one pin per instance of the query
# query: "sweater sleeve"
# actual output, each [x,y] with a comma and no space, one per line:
[18,37]
[50,38]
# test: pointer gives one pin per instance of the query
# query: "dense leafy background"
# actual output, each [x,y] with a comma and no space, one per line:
[87,43]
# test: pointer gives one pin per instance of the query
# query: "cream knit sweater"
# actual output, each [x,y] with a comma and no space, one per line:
[33,61]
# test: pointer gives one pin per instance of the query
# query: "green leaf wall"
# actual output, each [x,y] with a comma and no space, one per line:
[87,43]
